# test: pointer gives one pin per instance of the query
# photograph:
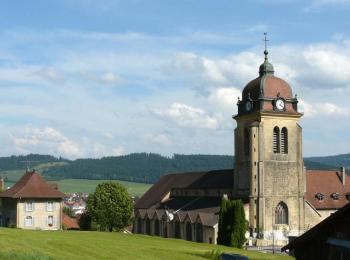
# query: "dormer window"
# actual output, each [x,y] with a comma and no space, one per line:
[335,195]
[319,196]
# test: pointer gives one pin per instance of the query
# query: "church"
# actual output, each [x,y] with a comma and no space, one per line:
[281,197]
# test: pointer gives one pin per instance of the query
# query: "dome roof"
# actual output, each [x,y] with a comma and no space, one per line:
[267,86]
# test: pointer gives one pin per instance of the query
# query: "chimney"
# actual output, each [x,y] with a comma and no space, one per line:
[342,175]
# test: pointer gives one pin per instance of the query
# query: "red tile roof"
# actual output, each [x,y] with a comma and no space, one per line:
[69,223]
[32,185]
[326,182]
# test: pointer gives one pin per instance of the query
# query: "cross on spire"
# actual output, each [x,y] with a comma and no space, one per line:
[265,40]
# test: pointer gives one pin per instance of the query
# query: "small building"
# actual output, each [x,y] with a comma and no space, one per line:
[32,204]
[330,239]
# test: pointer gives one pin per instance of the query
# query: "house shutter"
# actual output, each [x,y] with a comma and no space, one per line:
[53,205]
[46,221]
[24,221]
[54,221]
[33,223]
[33,205]
[24,206]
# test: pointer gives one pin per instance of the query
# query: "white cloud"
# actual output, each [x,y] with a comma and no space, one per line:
[118,151]
[225,98]
[161,138]
[107,78]
[45,140]
[50,74]
[317,5]
[187,116]
[322,109]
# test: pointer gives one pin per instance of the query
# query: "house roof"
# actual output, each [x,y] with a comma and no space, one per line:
[32,185]
[327,183]
[220,179]
[326,225]
[69,223]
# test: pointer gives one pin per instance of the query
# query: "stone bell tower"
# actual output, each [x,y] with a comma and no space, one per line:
[269,168]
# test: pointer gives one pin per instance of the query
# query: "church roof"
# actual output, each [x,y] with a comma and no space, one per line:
[218,179]
[32,185]
[327,185]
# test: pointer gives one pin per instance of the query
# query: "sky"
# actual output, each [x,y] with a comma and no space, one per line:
[84,78]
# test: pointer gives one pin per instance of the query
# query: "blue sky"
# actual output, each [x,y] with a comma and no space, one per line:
[83,78]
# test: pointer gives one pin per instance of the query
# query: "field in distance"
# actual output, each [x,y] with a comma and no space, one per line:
[48,245]
[88,186]
[79,185]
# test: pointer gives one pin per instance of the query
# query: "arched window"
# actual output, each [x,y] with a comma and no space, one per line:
[177,229]
[281,213]
[276,140]
[246,141]
[199,232]
[188,231]
[156,227]
[284,140]
[139,225]
[148,226]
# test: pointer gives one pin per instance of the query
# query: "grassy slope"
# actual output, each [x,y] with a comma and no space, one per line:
[21,244]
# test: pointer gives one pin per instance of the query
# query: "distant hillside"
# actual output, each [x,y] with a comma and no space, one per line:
[137,167]
[23,161]
[337,160]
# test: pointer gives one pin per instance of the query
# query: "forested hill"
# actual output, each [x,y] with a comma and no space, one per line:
[139,167]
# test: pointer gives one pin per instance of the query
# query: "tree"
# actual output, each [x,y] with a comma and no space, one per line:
[69,212]
[110,206]
[85,221]
[232,223]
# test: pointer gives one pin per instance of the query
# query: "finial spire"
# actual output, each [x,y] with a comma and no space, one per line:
[266,67]
[265,40]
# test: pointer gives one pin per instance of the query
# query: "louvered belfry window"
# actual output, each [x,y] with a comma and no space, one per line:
[284,140]
[246,141]
[276,140]
[281,213]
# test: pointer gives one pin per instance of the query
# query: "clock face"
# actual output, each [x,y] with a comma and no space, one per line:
[279,104]
[248,106]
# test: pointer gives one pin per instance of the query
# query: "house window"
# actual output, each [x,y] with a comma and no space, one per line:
[281,213]
[28,221]
[284,140]
[49,206]
[29,206]
[276,140]
[50,221]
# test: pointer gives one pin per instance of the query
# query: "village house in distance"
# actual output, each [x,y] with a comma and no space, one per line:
[281,198]
[32,204]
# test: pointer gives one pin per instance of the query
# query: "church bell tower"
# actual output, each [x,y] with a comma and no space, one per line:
[269,168]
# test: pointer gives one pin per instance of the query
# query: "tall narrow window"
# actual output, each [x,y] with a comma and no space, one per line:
[276,140]
[284,140]
[28,221]
[246,141]
[281,213]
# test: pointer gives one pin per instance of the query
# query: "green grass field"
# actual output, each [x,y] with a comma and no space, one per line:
[22,244]
[88,186]
[79,185]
